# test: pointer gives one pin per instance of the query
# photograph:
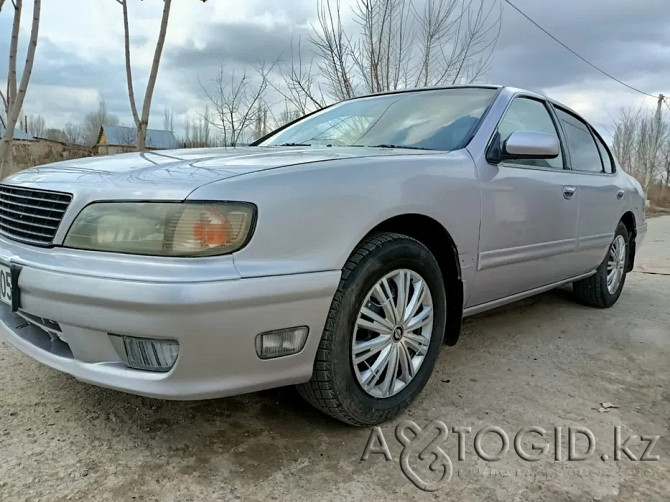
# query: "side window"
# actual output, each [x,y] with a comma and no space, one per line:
[608,164]
[584,152]
[525,114]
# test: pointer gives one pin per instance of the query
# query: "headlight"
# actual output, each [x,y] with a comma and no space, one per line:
[162,228]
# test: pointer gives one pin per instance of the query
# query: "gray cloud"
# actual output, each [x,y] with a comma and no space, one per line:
[236,45]
[629,40]
[62,86]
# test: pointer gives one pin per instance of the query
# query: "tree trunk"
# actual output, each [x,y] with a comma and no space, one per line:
[13,48]
[15,100]
[6,154]
[142,137]
[146,107]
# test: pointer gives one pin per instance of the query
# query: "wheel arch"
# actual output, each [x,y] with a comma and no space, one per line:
[438,240]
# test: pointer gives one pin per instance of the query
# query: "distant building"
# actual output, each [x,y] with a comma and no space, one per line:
[32,150]
[119,139]
[19,135]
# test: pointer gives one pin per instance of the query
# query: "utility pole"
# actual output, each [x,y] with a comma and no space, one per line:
[659,117]
[651,168]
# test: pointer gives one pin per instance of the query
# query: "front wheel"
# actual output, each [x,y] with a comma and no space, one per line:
[603,289]
[383,333]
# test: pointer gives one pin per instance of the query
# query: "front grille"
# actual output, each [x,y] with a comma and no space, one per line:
[31,216]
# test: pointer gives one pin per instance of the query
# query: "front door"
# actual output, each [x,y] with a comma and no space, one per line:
[529,214]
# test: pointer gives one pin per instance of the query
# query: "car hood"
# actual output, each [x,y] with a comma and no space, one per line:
[172,174]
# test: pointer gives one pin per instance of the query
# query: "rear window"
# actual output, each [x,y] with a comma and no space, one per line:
[606,157]
[584,152]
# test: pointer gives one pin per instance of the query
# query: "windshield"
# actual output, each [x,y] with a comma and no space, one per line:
[440,119]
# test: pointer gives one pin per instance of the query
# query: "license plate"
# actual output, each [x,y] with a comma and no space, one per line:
[6,293]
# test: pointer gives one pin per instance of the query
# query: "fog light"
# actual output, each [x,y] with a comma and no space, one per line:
[281,342]
[150,354]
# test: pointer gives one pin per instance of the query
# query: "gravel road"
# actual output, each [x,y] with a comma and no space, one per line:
[544,362]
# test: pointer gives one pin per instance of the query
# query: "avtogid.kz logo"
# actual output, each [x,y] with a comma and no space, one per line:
[426,464]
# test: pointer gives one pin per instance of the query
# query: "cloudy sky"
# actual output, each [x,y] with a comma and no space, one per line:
[80,52]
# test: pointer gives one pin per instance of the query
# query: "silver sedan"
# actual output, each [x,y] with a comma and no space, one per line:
[338,253]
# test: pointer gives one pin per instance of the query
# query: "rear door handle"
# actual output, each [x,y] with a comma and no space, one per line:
[569,191]
[619,194]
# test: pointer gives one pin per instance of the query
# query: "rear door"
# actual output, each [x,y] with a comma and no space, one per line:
[600,197]
[529,214]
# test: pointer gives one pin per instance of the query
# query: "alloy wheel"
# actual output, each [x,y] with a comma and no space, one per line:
[616,263]
[392,333]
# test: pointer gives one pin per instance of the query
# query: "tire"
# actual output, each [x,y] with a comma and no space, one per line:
[336,386]
[595,291]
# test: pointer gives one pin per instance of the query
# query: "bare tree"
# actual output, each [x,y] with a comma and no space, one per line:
[300,85]
[237,101]
[639,144]
[665,162]
[55,134]
[168,120]
[477,33]
[93,121]
[289,114]
[74,134]
[142,120]
[398,45]
[260,120]
[12,101]
[36,126]
[383,51]
[624,138]
[197,132]
[334,48]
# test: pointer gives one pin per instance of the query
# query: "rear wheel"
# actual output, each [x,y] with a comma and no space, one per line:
[383,333]
[603,289]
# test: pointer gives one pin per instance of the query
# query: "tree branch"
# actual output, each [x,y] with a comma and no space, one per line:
[13,48]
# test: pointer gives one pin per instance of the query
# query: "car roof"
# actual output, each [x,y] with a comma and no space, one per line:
[512,91]
[526,92]
[432,88]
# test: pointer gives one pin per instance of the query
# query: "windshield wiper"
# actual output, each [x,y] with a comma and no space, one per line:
[295,144]
[406,147]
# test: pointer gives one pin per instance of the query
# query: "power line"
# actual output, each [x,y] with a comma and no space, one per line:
[576,54]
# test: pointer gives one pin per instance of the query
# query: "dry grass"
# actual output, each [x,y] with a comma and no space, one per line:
[27,157]
[659,200]
[659,195]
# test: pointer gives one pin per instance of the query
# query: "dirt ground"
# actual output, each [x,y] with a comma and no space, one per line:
[544,362]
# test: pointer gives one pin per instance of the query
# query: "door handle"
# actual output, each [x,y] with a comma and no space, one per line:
[569,192]
[619,194]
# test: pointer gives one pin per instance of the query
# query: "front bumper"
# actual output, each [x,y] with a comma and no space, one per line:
[215,322]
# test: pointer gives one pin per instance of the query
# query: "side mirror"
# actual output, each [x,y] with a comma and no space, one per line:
[524,145]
